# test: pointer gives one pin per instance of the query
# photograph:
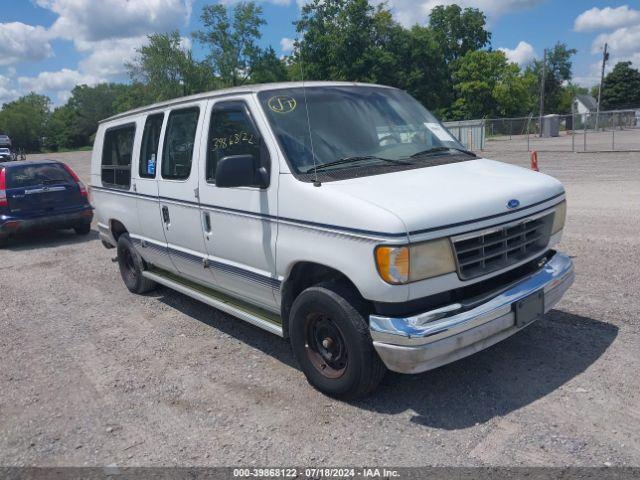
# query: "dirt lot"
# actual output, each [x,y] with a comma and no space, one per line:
[93,375]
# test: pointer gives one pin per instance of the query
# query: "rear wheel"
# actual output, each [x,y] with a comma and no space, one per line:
[4,241]
[330,339]
[131,267]
[83,229]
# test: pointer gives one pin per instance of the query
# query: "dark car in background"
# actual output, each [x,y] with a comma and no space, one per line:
[42,194]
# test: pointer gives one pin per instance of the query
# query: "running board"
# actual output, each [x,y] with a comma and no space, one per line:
[254,315]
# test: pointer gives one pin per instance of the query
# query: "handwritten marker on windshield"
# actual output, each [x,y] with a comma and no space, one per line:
[534,161]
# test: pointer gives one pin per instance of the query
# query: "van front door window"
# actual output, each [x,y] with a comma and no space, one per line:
[231,132]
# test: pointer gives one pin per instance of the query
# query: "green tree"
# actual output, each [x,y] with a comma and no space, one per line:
[417,65]
[489,86]
[621,88]
[232,42]
[168,69]
[62,131]
[344,40]
[133,95]
[89,105]
[267,67]
[558,72]
[459,31]
[25,121]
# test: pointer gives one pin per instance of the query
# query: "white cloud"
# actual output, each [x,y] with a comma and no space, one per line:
[522,54]
[185,43]
[287,44]
[91,20]
[623,41]
[7,92]
[106,32]
[107,58]
[60,82]
[23,43]
[275,2]
[410,12]
[606,18]
[622,34]
[591,76]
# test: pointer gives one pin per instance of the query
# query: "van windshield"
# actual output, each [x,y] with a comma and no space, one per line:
[354,126]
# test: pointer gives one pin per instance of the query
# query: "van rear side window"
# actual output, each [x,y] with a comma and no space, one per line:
[116,156]
[150,142]
[177,152]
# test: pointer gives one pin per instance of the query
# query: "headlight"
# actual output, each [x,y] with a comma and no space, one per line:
[405,264]
[559,217]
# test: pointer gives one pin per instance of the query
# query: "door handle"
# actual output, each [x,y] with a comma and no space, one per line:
[206,222]
[165,214]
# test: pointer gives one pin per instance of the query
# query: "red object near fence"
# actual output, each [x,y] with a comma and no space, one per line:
[534,161]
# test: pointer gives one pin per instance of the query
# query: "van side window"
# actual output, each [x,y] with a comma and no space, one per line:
[177,152]
[116,156]
[231,132]
[149,148]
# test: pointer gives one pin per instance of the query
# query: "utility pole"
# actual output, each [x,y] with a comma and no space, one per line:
[605,57]
[542,82]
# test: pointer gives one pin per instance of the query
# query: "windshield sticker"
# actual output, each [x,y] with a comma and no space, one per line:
[282,104]
[439,132]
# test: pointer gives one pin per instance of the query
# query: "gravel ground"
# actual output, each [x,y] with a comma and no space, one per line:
[93,375]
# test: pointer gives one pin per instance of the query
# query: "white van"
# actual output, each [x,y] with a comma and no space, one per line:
[342,216]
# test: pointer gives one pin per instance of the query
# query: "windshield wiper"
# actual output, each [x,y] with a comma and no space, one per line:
[432,150]
[354,159]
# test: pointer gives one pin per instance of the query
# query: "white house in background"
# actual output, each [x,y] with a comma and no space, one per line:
[585,104]
[583,107]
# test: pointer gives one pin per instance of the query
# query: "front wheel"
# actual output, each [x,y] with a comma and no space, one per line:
[131,267]
[330,339]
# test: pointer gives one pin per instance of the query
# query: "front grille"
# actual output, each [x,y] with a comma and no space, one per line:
[487,251]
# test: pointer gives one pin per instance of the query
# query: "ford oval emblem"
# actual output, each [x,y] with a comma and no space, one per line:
[513,203]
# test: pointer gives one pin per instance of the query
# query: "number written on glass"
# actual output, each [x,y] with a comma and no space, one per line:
[218,143]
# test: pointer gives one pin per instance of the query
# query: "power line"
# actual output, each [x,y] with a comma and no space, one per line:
[542,82]
[605,57]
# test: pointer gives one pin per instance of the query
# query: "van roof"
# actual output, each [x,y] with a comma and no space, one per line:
[235,90]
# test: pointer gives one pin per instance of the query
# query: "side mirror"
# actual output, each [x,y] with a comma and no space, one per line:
[241,171]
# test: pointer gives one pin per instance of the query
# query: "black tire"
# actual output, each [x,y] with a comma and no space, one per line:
[131,267]
[83,229]
[344,364]
[4,242]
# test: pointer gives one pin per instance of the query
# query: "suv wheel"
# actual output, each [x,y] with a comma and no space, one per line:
[4,241]
[330,339]
[131,267]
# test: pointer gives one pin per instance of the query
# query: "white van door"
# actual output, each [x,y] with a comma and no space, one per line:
[178,192]
[153,244]
[239,227]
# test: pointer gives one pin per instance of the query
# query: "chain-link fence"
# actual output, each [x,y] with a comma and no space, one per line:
[617,130]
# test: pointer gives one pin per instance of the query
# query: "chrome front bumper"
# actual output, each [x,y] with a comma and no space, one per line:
[420,343]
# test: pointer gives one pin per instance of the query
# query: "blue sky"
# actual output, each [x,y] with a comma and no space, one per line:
[48,46]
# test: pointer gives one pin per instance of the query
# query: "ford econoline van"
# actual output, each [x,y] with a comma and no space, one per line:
[344,217]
